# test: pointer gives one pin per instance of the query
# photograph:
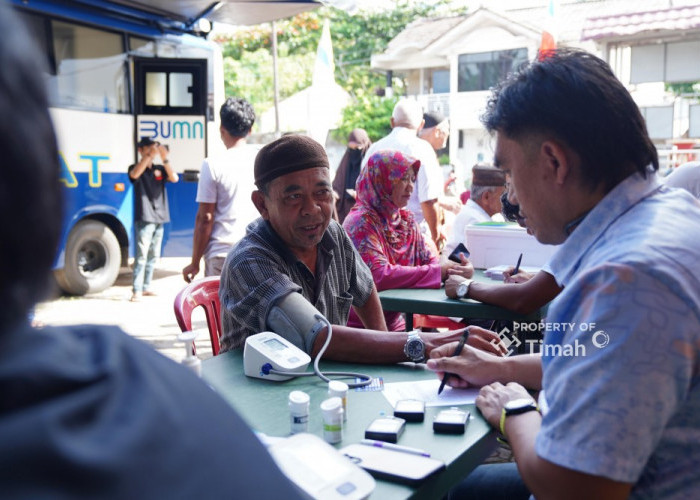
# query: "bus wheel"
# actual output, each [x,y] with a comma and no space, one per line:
[92,260]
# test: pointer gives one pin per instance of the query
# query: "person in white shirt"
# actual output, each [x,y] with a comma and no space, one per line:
[225,187]
[488,184]
[406,120]
[686,176]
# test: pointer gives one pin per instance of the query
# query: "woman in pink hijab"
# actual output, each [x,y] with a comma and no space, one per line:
[387,236]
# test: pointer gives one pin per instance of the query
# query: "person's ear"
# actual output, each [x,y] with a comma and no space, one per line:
[259,201]
[556,160]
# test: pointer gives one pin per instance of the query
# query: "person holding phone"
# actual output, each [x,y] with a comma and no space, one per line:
[387,236]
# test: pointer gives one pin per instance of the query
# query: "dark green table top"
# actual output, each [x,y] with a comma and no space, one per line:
[263,405]
[434,301]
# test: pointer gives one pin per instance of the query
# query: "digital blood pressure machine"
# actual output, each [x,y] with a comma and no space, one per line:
[268,351]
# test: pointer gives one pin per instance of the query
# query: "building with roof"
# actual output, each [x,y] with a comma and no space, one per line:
[449,64]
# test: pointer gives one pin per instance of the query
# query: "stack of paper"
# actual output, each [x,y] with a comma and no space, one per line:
[496,272]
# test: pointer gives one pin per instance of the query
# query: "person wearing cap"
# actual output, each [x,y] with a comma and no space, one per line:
[223,192]
[406,120]
[488,184]
[151,210]
[295,263]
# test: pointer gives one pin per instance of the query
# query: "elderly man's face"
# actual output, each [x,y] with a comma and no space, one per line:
[299,207]
[531,187]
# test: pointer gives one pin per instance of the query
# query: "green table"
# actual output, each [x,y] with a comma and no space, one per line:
[434,301]
[263,405]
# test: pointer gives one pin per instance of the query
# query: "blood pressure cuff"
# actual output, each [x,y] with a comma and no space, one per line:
[292,317]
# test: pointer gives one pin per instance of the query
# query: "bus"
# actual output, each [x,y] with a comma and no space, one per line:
[115,74]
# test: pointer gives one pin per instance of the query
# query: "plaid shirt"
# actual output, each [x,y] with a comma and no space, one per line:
[260,270]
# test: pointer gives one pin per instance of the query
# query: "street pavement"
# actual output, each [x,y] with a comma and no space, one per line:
[151,319]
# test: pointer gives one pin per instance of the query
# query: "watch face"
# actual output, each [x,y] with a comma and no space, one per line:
[516,404]
[415,349]
[462,290]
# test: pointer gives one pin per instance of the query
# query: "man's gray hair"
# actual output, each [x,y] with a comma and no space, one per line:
[407,113]
[478,191]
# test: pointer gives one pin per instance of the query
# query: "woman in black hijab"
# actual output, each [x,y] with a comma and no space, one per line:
[348,171]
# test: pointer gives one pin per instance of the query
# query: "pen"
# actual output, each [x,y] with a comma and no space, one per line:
[457,352]
[395,447]
[517,266]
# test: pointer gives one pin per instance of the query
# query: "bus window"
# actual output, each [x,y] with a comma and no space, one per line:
[181,90]
[90,69]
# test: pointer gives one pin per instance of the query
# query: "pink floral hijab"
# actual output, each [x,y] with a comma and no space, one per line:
[376,215]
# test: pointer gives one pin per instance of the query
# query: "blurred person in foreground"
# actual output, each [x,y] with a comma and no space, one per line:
[387,236]
[348,171]
[619,379]
[87,411]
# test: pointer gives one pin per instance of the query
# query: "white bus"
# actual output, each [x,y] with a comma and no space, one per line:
[116,74]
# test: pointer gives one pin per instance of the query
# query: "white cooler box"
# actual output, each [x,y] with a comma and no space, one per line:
[496,244]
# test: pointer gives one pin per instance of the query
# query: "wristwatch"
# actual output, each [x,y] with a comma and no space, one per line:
[463,289]
[516,407]
[415,347]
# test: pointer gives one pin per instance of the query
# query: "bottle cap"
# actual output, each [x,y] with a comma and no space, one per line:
[331,405]
[298,399]
[337,388]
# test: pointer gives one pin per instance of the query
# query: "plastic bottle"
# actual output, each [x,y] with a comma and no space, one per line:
[332,410]
[190,360]
[298,411]
[339,389]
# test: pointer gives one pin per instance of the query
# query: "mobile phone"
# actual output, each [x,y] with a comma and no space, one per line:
[454,256]
[391,465]
[452,421]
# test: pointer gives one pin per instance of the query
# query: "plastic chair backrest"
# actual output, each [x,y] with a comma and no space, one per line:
[205,293]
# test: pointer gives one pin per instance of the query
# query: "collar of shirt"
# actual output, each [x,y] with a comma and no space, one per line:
[476,207]
[566,261]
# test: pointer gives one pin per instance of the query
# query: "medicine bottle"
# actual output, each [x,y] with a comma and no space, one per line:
[339,389]
[332,410]
[298,411]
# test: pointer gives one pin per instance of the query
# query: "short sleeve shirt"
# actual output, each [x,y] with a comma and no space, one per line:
[260,270]
[622,344]
[227,180]
[150,197]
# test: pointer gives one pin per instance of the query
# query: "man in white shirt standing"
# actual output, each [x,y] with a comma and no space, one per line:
[225,186]
[488,184]
[406,120]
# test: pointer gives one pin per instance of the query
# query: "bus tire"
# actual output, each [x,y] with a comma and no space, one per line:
[92,259]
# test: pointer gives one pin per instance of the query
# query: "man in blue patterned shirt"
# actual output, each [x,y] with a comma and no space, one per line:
[620,399]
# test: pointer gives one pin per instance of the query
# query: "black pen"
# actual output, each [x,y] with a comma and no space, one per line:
[517,266]
[457,352]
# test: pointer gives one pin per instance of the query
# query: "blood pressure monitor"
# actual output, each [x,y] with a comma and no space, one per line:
[268,351]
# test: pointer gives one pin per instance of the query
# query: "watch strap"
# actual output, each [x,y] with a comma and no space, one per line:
[518,411]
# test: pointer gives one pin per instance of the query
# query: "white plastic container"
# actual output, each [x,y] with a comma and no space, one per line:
[299,411]
[339,389]
[332,410]
[495,245]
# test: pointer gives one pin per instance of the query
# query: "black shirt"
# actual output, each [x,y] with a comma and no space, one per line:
[150,198]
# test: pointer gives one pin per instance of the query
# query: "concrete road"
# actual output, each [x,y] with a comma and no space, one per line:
[151,320]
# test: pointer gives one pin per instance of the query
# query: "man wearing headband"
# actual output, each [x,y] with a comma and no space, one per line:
[295,263]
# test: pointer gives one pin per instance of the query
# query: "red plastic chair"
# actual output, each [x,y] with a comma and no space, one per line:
[205,293]
[432,321]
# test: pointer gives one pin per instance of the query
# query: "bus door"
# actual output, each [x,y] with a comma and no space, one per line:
[170,100]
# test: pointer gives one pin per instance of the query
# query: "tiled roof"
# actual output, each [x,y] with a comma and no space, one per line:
[674,18]
[422,32]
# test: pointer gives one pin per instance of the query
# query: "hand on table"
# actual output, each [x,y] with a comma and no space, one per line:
[451,283]
[520,277]
[479,338]
[493,397]
[464,268]
[472,368]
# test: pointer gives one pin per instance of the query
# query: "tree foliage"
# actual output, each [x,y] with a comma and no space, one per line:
[355,38]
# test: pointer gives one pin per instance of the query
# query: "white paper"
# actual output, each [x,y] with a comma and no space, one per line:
[426,391]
